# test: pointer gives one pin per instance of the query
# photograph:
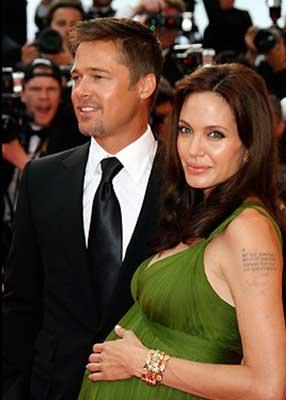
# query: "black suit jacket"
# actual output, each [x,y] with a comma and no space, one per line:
[49,311]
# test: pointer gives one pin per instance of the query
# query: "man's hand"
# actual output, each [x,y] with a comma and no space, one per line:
[149,6]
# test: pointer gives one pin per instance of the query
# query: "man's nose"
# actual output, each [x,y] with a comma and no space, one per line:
[44,93]
[82,88]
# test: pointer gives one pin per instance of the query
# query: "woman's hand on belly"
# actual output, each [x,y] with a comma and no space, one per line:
[117,359]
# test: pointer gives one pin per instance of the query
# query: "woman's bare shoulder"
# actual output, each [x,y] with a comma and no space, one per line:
[251,226]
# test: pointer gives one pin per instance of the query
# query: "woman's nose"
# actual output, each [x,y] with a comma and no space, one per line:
[196,146]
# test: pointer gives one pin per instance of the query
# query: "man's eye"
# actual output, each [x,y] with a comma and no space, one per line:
[61,23]
[75,78]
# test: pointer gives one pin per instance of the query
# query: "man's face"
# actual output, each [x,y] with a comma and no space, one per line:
[63,19]
[106,105]
[226,4]
[42,95]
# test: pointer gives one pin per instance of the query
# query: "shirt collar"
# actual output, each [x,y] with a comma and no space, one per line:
[135,157]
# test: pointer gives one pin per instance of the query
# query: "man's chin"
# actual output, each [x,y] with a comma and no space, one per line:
[93,132]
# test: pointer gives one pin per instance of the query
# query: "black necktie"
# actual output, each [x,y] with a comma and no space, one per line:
[105,236]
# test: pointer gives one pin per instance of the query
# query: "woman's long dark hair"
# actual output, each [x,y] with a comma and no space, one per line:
[186,216]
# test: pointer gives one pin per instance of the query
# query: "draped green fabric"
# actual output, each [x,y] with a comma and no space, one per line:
[177,311]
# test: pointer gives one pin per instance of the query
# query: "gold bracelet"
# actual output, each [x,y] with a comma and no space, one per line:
[154,367]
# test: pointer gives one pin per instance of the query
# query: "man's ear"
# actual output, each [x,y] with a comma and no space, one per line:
[147,86]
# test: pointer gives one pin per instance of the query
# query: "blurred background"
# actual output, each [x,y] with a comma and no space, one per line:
[258,10]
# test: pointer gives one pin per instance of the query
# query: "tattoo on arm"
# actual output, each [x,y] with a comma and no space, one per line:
[258,265]
[258,261]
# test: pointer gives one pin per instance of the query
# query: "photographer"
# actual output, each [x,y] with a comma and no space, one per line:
[227,26]
[152,13]
[52,41]
[45,126]
[267,53]
[41,131]
[100,9]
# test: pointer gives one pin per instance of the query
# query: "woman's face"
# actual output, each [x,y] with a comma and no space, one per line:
[208,142]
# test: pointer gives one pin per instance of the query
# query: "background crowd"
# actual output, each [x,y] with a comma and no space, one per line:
[43,114]
[38,119]
[229,36]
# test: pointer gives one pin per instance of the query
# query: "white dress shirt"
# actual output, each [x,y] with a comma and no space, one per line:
[129,184]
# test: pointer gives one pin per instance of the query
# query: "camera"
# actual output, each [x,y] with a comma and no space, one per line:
[266,39]
[49,41]
[13,110]
[160,20]
[183,22]
[190,56]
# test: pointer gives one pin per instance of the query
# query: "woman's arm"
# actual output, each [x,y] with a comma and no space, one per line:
[251,262]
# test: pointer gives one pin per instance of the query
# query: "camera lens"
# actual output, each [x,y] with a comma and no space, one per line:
[49,41]
[264,41]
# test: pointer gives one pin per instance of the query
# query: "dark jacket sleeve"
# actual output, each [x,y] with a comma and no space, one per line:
[22,299]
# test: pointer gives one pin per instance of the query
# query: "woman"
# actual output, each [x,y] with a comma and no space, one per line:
[210,300]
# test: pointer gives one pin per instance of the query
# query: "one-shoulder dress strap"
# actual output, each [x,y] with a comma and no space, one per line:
[246,204]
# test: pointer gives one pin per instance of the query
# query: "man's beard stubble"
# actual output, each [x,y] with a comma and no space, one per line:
[97,130]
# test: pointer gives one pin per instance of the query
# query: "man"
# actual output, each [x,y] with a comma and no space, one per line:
[52,315]
[43,117]
[266,52]
[41,96]
[227,26]
[100,9]
[61,16]
[167,35]
[38,128]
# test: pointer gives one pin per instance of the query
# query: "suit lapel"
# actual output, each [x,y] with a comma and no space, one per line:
[148,220]
[72,232]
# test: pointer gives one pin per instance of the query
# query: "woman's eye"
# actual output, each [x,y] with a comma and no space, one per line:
[216,135]
[184,130]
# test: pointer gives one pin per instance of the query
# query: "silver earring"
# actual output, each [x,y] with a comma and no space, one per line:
[245,157]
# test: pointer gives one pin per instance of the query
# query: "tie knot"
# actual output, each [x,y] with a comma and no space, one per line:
[110,167]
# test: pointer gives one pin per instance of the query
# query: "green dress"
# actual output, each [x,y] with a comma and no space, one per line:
[176,311]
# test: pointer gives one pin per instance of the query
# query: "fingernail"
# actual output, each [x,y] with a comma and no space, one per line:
[117,327]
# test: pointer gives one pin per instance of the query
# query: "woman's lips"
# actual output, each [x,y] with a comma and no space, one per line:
[196,169]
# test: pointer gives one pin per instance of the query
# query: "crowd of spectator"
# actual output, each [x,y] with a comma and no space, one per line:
[92,98]
[230,34]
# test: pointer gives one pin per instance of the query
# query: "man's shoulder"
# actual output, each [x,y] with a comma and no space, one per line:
[62,155]
[52,163]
